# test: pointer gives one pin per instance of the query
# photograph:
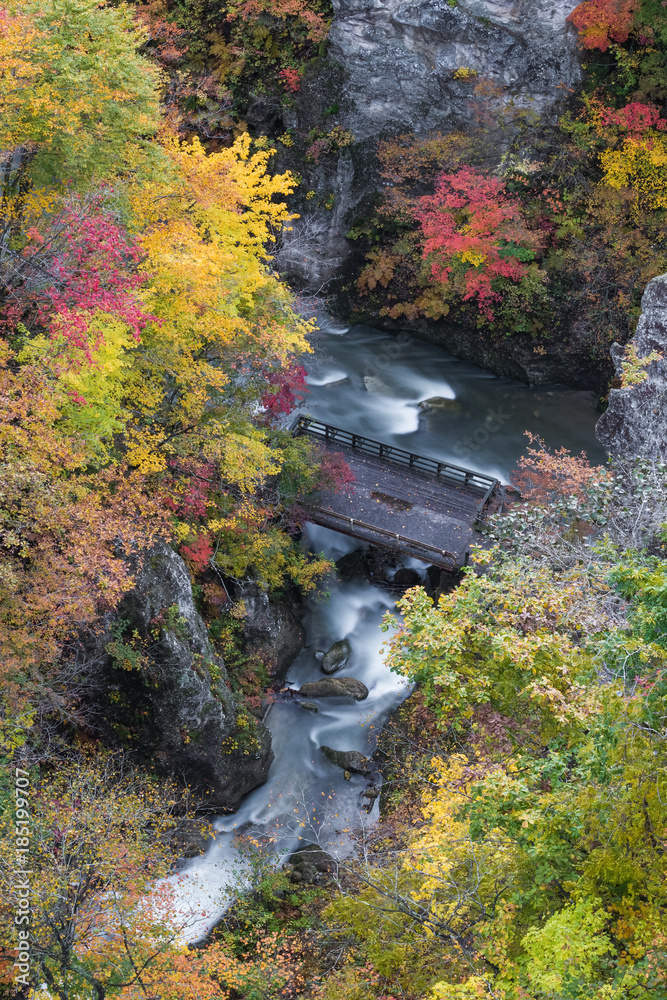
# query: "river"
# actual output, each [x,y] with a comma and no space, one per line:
[366,381]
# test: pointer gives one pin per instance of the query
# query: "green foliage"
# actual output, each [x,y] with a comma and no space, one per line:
[126,655]
[643,580]
[269,908]
[536,867]
[248,670]
[84,99]
[498,639]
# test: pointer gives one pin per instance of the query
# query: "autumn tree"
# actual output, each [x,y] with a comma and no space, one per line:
[105,919]
[474,232]
[64,530]
[142,323]
[76,99]
[601,23]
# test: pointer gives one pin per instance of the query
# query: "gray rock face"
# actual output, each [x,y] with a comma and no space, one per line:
[635,423]
[271,627]
[336,657]
[400,57]
[176,708]
[335,687]
[391,70]
[349,760]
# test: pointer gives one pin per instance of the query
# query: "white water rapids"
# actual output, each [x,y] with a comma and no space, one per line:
[305,795]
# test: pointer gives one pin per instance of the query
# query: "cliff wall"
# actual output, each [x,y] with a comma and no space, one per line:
[162,692]
[635,422]
[390,70]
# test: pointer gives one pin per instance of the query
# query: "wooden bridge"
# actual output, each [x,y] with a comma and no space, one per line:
[399,500]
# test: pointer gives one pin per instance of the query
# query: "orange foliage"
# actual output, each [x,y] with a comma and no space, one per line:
[601,22]
[544,475]
[64,538]
[167,37]
[251,10]
[408,161]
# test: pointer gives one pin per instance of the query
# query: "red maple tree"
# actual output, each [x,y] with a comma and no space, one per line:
[473,226]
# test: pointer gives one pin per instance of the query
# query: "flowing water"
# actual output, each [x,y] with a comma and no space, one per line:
[373,384]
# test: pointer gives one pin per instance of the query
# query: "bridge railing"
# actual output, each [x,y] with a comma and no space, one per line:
[455,475]
[354,526]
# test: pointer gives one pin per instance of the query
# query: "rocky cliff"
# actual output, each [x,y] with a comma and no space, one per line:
[162,692]
[272,627]
[400,58]
[392,69]
[635,423]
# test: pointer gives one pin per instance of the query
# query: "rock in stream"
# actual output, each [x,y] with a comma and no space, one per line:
[336,657]
[335,687]
[349,760]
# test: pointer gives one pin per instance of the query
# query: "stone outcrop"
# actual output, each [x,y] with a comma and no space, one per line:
[635,422]
[162,691]
[271,627]
[349,760]
[336,657]
[335,687]
[400,58]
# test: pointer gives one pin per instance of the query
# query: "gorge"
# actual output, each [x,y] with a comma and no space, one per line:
[244,756]
[305,796]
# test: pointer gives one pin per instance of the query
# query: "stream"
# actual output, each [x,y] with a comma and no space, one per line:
[371,383]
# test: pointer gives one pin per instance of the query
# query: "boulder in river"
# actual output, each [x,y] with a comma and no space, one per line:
[374,384]
[335,687]
[309,706]
[440,403]
[349,760]
[336,657]
[352,566]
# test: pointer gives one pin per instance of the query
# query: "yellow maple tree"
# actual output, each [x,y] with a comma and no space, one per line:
[220,312]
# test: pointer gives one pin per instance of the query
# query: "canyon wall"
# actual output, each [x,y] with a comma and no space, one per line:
[635,422]
[391,69]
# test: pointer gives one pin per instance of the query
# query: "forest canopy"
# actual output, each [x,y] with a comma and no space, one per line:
[143,327]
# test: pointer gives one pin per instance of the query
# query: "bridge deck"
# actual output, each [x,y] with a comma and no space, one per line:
[399,500]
